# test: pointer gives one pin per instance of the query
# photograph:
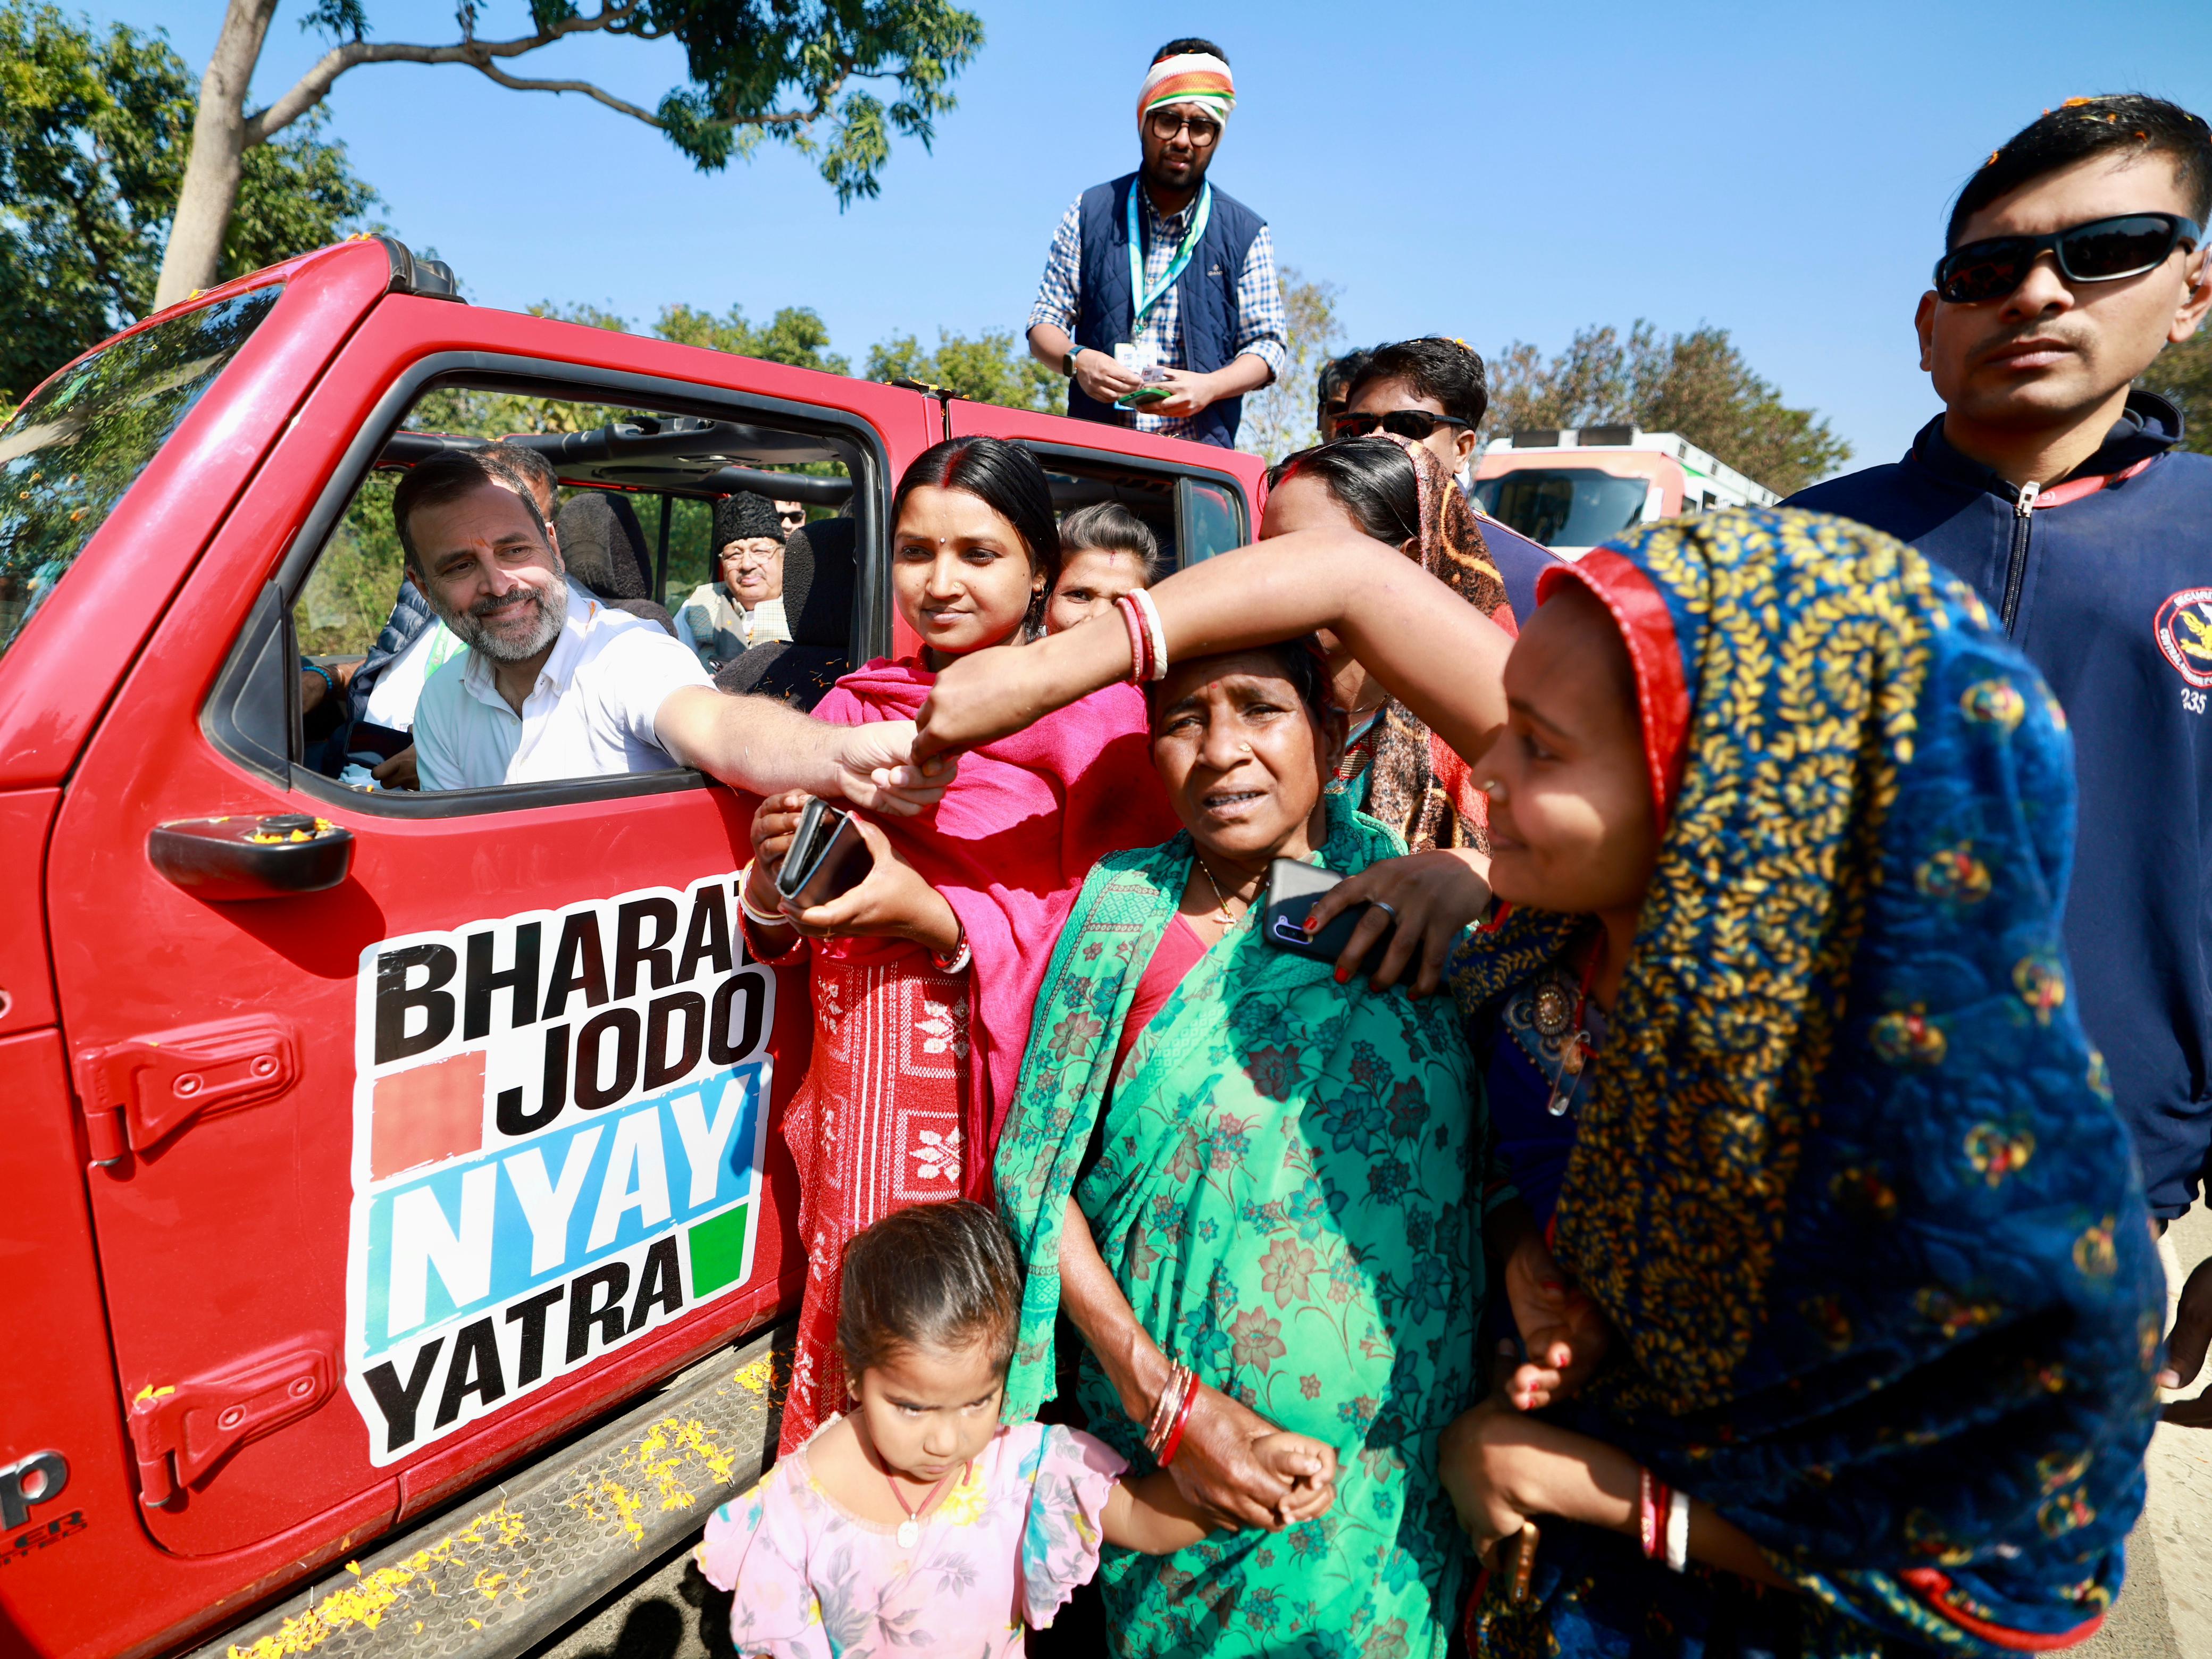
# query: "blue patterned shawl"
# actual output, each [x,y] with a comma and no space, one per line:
[1850,1187]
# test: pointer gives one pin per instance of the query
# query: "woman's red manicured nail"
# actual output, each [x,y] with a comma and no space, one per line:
[1342,976]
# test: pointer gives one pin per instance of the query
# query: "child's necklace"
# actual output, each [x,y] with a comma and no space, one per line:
[909,1532]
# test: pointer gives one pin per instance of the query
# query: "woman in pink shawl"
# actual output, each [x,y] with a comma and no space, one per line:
[925,974]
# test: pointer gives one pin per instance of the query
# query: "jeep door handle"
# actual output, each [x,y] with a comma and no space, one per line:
[227,858]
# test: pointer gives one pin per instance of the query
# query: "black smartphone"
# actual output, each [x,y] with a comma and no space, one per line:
[826,857]
[1293,889]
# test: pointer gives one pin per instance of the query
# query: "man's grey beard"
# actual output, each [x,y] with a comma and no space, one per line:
[552,615]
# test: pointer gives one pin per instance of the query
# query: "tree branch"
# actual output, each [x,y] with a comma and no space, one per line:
[311,87]
[519,84]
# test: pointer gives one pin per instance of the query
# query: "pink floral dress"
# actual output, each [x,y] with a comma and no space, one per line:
[997,1557]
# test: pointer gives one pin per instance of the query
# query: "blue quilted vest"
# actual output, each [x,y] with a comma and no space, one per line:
[1206,294]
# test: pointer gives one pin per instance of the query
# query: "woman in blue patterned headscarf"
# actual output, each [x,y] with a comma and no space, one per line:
[1855,1219]
[1846,1185]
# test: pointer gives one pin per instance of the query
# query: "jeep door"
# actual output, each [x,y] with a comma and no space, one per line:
[396,1180]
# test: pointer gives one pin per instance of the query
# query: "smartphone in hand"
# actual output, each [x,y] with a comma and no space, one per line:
[826,858]
[1293,889]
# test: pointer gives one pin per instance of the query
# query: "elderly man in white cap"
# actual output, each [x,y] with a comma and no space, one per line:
[1160,300]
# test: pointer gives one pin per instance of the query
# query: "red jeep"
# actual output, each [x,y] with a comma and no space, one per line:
[358,1147]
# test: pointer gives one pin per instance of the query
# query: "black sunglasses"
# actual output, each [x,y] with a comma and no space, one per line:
[2102,250]
[1414,423]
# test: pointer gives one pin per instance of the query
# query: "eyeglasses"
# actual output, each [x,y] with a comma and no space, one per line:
[2101,250]
[1414,423]
[1164,124]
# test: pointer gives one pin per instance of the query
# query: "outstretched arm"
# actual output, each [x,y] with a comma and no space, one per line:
[1501,1468]
[1435,652]
[763,746]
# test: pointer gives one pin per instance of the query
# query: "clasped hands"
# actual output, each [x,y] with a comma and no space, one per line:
[1497,1464]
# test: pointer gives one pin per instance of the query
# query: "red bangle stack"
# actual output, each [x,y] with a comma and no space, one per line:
[1652,1502]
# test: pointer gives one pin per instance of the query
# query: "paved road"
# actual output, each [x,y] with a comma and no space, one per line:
[2165,1610]
[2165,1613]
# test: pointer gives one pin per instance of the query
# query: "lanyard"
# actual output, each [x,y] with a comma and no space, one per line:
[1147,297]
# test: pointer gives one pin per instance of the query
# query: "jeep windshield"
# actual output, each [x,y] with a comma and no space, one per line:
[74,449]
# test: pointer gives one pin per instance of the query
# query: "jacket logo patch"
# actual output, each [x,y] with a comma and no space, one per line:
[2183,628]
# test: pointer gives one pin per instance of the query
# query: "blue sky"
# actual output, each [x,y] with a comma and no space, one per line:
[1488,171]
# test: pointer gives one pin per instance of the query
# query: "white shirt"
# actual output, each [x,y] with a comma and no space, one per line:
[392,700]
[590,715]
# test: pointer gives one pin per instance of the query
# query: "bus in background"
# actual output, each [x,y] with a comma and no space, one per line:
[1571,489]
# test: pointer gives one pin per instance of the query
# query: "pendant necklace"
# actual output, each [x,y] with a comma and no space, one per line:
[1220,903]
[909,1532]
[1552,1020]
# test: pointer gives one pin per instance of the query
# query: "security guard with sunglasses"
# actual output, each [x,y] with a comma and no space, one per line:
[2076,254]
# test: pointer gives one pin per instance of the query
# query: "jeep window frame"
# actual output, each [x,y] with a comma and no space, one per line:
[252,715]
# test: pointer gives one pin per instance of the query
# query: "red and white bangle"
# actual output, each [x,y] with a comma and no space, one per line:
[1140,643]
[745,904]
[961,957]
[1662,1521]
[1156,636]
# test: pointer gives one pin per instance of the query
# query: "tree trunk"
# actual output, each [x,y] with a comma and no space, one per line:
[194,253]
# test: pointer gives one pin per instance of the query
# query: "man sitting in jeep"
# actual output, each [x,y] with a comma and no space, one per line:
[555,685]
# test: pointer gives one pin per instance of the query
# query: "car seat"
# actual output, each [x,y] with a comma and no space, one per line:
[604,545]
[818,580]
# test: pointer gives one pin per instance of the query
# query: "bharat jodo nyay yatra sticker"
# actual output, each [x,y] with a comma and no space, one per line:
[558,1124]
[2183,628]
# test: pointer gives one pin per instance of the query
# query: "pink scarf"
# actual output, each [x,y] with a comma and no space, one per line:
[1009,847]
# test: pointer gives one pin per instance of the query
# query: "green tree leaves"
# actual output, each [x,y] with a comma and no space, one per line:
[93,127]
[795,335]
[2183,372]
[1696,384]
[990,368]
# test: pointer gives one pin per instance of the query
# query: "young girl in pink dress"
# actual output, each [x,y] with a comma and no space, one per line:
[916,1523]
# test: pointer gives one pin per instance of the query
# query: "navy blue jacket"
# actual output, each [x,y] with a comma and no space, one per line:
[1520,561]
[2108,589]
[1206,298]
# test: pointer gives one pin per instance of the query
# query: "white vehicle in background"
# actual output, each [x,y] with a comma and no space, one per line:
[1571,489]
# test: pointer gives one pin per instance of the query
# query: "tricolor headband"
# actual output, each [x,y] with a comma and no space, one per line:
[1190,78]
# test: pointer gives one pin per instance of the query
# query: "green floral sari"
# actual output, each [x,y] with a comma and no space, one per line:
[1285,1195]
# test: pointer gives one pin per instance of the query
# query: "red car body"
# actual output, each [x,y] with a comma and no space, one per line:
[178,1074]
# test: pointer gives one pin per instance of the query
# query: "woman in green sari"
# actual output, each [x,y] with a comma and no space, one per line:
[1222,1152]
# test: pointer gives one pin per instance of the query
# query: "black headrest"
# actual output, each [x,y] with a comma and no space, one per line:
[818,582]
[604,545]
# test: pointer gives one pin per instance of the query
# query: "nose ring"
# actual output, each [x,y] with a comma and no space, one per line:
[1243,748]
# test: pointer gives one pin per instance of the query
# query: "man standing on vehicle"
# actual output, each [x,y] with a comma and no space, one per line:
[1159,288]
[2074,255]
[556,685]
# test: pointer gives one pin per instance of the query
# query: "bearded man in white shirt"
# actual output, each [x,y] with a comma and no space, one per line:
[554,684]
